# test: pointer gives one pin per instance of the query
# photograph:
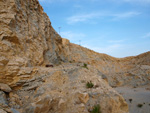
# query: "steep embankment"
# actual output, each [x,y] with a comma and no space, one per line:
[28,42]
[133,71]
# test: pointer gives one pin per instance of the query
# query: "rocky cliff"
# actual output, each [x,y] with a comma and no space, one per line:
[28,42]
[26,38]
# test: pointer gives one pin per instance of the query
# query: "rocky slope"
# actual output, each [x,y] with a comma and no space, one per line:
[28,42]
[133,71]
[62,89]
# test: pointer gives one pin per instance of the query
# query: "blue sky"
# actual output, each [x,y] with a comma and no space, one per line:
[118,28]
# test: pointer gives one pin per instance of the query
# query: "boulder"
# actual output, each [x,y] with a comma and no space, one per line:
[5,88]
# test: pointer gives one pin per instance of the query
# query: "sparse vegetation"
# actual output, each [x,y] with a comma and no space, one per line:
[130,100]
[89,85]
[139,105]
[96,109]
[85,66]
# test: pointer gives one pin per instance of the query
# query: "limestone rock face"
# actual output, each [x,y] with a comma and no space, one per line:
[26,37]
[28,42]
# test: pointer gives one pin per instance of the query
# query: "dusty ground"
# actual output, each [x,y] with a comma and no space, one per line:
[136,96]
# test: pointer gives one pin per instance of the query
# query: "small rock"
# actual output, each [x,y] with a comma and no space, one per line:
[3,100]
[8,110]
[3,60]
[1,65]
[26,97]
[11,95]
[5,87]
[31,80]
[82,105]
[61,102]
[14,110]
[2,111]
[32,87]
[83,97]
[25,76]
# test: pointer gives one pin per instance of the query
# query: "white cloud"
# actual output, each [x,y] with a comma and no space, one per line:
[125,15]
[81,18]
[51,1]
[113,16]
[147,35]
[42,0]
[111,49]
[140,2]
[72,36]
[116,41]
[137,1]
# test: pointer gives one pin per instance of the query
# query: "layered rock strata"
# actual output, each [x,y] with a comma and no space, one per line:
[28,42]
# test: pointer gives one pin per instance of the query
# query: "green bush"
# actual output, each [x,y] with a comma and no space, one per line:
[89,85]
[85,66]
[96,109]
[130,100]
[139,105]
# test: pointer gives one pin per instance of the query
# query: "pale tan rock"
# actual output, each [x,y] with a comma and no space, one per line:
[43,105]
[28,42]
[1,65]
[5,88]
[60,96]
[2,111]
[83,97]
[21,38]
[3,60]
[65,42]
[61,102]
[12,95]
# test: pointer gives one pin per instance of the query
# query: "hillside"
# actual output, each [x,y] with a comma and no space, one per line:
[117,71]
[28,43]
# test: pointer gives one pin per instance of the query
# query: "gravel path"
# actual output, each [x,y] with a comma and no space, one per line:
[138,99]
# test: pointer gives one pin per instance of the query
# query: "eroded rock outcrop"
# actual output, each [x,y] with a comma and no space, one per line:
[131,71]
[26,38]
[63,90]
[28,42]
